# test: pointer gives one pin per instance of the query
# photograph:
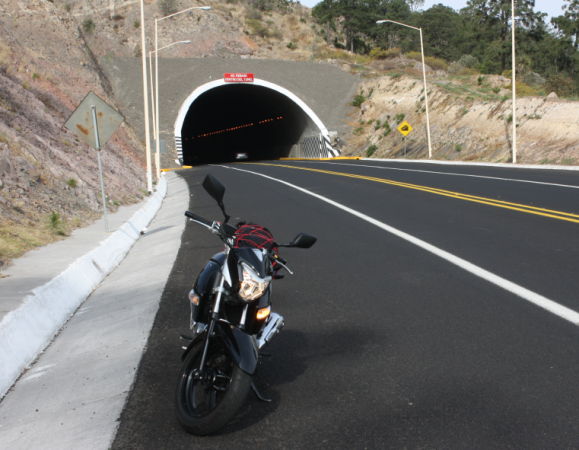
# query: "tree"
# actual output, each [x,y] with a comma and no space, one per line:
[442,30]
[568,27]
[415,5]
[325,12]
[389,35]
[493,19]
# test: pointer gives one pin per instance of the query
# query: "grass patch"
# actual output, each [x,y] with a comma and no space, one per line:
[371,150]
[15,240]
[399,118]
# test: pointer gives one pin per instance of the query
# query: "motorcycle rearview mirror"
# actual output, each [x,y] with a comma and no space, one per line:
[302,240]
[216,190]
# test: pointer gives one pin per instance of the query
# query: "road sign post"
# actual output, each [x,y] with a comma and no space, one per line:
[404,128]
[95,128]
[98,149]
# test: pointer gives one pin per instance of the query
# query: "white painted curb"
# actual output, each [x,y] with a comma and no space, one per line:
[26,331]
[463,163]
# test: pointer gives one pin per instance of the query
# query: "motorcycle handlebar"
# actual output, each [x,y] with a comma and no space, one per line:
[197,218]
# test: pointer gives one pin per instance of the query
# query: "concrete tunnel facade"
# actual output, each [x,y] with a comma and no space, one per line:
[220,119]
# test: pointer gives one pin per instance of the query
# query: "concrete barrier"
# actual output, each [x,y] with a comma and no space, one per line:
[27,331]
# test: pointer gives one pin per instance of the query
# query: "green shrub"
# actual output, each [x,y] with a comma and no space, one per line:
[35,76]
[496,89]
[136,24]
[523,90]
[370,151]
[510,118]
[378,53]
[480,80]
[458,147]
[302,20]
[436,63]
[358,100]
[71,183]
[292,46]
[257,28]
[559,84]
[254,14]
[54,219]
[88,26]
[399,117]
[417,56]
[468,61]
[117,17]
[378,124]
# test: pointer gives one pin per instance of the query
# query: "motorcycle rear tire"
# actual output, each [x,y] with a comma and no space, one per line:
[225,409]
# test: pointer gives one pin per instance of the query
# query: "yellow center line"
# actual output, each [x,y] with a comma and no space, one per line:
[487,201]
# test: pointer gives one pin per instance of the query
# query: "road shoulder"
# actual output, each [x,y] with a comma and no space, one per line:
[74,393]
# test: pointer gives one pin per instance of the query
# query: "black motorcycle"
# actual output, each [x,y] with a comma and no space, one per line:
[231,319]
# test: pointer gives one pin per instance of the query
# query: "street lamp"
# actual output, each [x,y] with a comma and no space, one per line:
[154,100]
[424,77]
[158,159]
[514,88]
[146,100]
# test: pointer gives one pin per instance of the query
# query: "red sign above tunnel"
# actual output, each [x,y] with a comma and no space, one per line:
[238,77]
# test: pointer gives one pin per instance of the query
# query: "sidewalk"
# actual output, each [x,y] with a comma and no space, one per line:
[73,395]
[47,286]
[39,266]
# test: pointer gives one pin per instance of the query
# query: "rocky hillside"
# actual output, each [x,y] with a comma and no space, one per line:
[48,179]
[470,120]
[231,29]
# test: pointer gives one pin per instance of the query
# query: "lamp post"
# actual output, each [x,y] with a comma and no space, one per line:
[146,100]
[424,77]
[154,100]
[158,159]
[514,87]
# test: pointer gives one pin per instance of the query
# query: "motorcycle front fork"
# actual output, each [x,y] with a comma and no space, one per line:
[214,318]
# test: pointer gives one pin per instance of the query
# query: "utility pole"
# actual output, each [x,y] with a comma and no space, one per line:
[514,88]
[146,100]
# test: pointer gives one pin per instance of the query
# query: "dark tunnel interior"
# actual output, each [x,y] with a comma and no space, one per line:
[241,118]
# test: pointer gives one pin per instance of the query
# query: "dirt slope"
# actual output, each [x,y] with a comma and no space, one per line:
[466,126]
[48,178]
[231,29]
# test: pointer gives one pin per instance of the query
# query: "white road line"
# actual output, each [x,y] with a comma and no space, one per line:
[445,173]
[539,300]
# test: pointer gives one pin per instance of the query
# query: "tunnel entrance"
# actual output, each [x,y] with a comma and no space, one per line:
[220,121]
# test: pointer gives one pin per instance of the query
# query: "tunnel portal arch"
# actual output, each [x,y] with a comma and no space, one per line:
[263,119]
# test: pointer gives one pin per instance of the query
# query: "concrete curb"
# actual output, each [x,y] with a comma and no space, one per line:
[26,331]
[462,163]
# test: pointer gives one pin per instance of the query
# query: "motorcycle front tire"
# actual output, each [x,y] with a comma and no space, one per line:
[229,403]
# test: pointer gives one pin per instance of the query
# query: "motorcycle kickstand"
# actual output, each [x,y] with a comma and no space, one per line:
[260,397]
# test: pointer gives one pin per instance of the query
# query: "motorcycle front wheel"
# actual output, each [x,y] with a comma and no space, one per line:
[204,406]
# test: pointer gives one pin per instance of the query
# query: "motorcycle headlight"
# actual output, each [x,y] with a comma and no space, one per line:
[252,286]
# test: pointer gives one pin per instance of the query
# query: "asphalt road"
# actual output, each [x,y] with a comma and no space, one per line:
[388,345]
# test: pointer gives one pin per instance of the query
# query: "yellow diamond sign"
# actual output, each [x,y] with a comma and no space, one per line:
[405,128]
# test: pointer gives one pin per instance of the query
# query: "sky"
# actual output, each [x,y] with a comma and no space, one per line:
[551,7]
